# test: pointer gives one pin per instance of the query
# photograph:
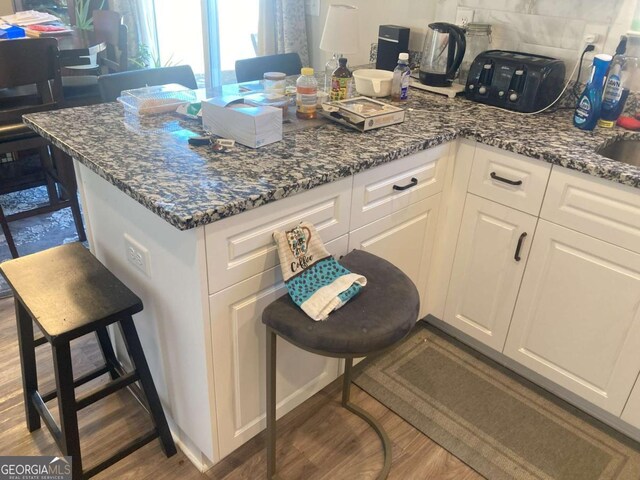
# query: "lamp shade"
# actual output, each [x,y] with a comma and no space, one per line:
[341,30]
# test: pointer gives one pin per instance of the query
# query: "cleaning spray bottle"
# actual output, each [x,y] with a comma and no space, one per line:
[590,102]
[615,90]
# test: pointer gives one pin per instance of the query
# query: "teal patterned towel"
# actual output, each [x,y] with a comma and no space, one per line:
[316,282]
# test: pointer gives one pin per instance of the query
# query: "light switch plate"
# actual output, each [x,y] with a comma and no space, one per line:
[312,7]
[464,15]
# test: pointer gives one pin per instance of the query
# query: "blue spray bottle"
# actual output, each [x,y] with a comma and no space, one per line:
[590,102]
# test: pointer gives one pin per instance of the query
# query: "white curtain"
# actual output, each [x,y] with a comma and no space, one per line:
[282,28]
[138,16]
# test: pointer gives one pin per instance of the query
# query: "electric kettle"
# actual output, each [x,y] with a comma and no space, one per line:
[442,54]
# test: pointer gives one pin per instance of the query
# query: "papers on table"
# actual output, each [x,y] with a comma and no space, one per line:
[29,17]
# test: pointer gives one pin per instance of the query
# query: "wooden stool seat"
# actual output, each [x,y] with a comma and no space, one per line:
[68,293]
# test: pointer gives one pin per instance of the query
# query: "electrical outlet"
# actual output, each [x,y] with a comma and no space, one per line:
[595,34]
[312,8]
[137,255]
[464,15]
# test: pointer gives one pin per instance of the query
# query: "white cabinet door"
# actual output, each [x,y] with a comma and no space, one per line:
[631,412]
[239,349]
[404,238]
[577,320]
[492,250]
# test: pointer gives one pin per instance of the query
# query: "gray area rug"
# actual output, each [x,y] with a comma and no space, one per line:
[501,425]
[34,233]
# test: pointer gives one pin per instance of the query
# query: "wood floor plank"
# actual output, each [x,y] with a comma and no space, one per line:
[319,440]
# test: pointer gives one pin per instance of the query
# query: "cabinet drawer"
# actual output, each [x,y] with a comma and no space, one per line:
[595,206]
[510,179]
[241,246]
[374,195]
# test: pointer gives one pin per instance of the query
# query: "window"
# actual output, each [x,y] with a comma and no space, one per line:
[209,35]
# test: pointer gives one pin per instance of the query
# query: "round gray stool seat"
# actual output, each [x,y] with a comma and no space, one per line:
[382,313]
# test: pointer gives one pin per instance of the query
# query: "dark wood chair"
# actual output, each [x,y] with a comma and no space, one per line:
[111,86]
[111,50]
[33,62]
[250,69]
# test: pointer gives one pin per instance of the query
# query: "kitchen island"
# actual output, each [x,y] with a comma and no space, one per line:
[189,231]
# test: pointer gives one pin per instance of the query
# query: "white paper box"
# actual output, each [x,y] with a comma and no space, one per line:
[229,117]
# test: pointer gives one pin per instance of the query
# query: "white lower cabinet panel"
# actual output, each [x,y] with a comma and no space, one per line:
[631,412]
[239,350]
[486,274]
[577,319]
[404,238]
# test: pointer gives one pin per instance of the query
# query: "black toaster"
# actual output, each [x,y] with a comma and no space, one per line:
[518,81]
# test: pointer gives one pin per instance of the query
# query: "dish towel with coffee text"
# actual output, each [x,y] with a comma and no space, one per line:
[316,282]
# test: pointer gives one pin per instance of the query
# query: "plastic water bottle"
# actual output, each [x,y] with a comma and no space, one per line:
[306,94]
[400,82]
[590,102]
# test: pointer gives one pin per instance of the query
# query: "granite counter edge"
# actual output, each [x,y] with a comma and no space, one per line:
[597,166]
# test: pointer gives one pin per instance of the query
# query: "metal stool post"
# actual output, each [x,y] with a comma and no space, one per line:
[346,403]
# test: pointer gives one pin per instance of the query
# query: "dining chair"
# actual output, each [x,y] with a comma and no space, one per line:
[111,51]
[111,86]
[250,69]
[25,63]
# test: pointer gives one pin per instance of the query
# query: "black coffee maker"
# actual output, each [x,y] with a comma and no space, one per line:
[442,54]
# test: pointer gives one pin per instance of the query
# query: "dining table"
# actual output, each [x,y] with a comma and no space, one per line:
[76,48]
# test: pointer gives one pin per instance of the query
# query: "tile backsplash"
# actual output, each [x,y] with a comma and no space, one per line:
[548,27]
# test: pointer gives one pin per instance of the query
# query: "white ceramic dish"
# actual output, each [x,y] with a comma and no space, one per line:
[373,83]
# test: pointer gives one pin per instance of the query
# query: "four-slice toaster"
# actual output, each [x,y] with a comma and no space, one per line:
[523,82]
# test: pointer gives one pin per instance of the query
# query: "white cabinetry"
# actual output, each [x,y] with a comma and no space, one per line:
[238,341]
[577,319]
[510,179]
[404,238]
[504,196]
[389,188]
[490,257]
[244,277]
[631,413]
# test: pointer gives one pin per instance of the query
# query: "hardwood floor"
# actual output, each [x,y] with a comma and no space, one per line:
[318,440]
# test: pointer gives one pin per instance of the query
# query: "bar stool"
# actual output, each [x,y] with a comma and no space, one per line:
[69,293]
[383,313]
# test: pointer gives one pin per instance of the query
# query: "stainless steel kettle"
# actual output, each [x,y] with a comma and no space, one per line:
[442,54]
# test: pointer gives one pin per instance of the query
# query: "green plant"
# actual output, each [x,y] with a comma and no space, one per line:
[145,59]
[84,20]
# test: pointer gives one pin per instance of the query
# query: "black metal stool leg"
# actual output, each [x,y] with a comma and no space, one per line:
[109,356]
[271,404]
[346,403]
[69,440]
[134,347]
[28,362]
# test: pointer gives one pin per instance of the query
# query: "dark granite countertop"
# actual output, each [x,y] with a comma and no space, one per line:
[149,159]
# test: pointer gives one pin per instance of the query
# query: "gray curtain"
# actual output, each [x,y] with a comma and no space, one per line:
[282,28]
[138,16]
